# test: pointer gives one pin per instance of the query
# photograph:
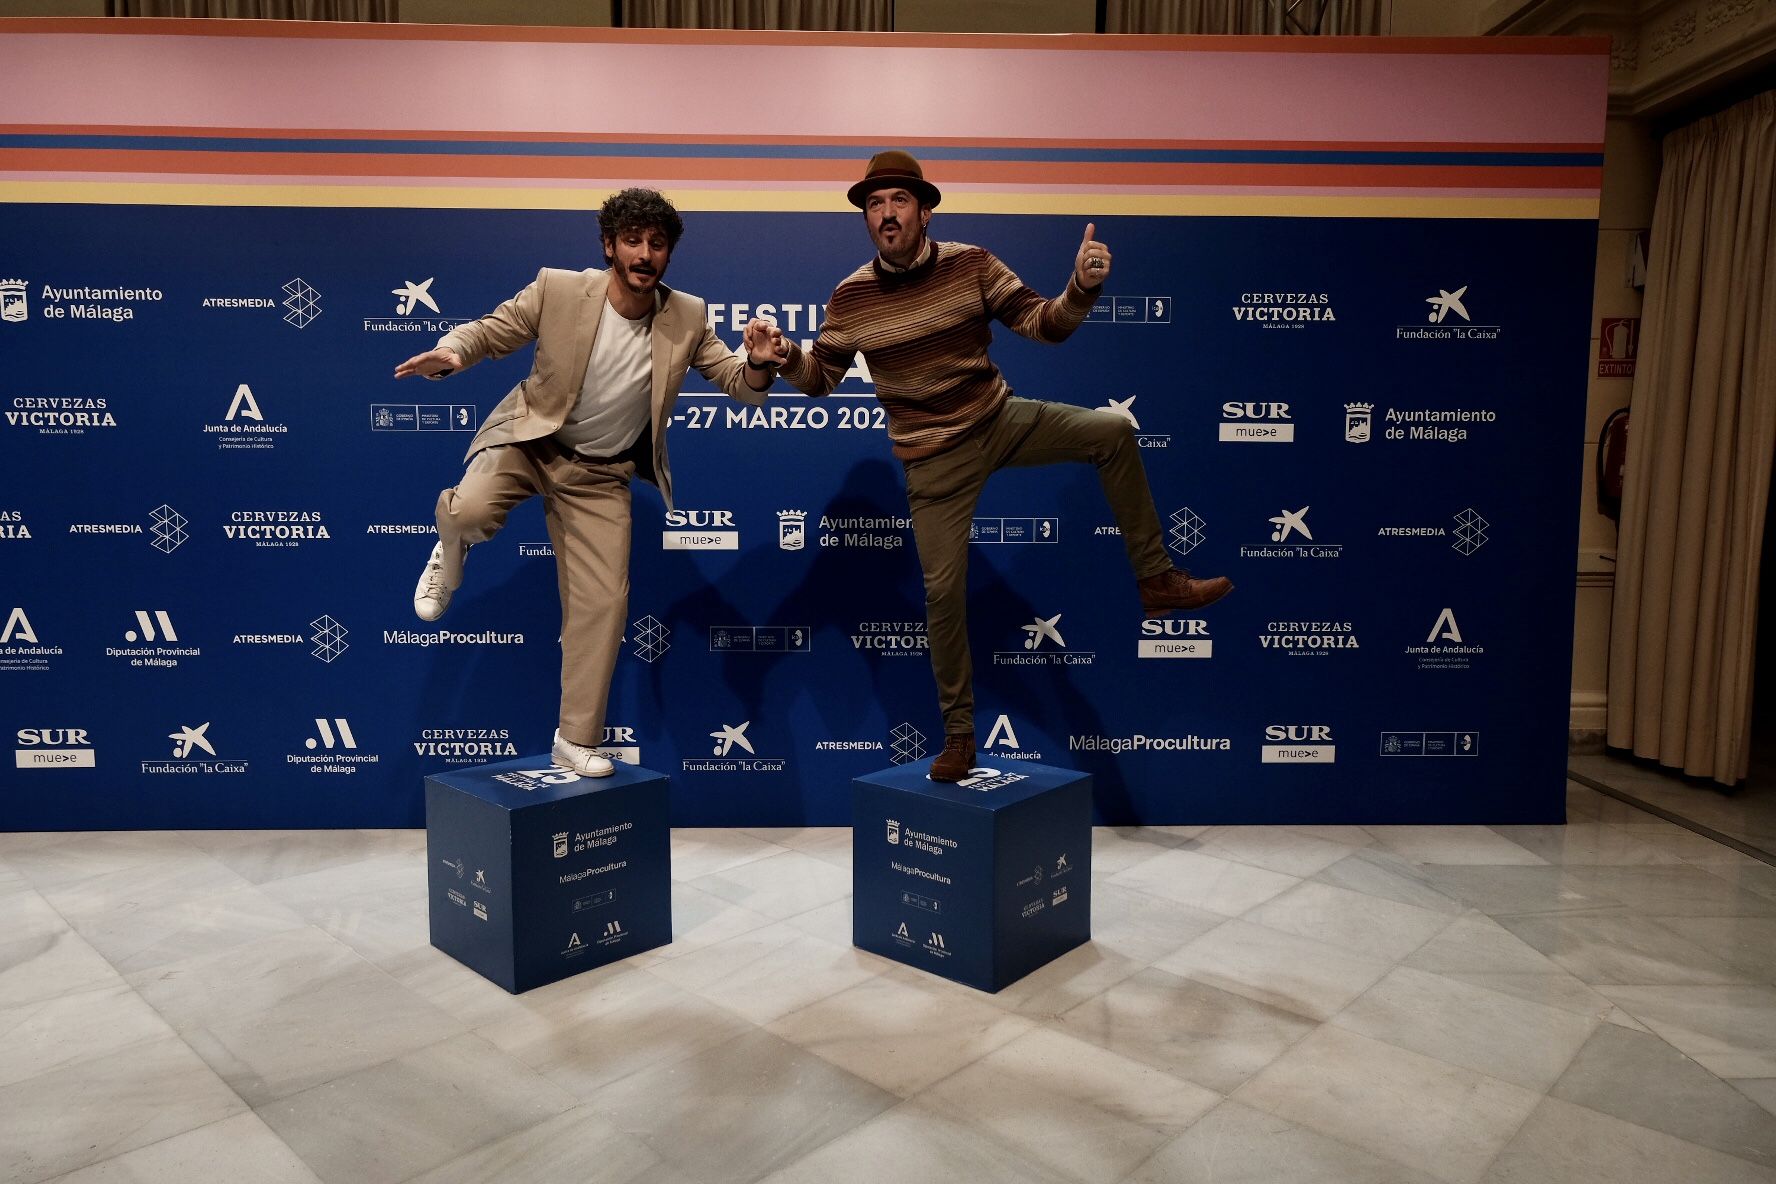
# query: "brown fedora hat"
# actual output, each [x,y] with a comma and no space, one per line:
[894,169]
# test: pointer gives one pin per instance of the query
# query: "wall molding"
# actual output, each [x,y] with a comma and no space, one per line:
[1587,720]
[1663,53]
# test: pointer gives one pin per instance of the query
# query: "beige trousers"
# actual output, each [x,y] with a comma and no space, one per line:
[942,491]
[586,505]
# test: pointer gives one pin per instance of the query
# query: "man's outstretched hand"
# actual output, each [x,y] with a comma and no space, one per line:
[1091,267]
[434,363]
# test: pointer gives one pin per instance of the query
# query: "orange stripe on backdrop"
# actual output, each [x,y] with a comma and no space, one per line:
[307,133]
[839,173]
[1075,42]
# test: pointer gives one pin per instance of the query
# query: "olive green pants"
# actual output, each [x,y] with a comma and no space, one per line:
[942,492]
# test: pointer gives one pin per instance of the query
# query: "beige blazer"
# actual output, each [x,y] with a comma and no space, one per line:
[560,311]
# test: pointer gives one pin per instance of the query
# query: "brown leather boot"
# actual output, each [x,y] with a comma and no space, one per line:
[957,757]
[1170,591]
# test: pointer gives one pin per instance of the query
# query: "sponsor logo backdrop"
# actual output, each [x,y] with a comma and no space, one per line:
[217,503]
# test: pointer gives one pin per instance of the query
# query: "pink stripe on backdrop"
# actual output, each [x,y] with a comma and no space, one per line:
[596,190]
[598,186]
[899,94]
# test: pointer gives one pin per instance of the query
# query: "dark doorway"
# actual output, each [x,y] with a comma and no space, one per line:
[1762,780]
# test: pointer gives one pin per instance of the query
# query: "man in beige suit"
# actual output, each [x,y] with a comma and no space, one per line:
[612,348]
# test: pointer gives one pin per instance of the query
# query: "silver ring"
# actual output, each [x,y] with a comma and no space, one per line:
[1094,265]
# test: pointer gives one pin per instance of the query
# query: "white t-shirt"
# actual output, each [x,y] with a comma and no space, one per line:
[616,397]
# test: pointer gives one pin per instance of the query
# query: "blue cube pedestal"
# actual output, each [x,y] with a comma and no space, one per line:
[981,881]
[536,873]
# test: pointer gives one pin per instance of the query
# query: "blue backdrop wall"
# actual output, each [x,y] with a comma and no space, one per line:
[217,500]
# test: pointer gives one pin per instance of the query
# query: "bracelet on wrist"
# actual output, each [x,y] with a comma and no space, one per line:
[752,365]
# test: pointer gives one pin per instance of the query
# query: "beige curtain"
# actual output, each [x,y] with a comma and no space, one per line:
[271,10]
[1702,428]
[1368,17]
[848,15]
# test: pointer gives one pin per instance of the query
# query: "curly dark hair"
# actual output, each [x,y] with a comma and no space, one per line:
[639,209]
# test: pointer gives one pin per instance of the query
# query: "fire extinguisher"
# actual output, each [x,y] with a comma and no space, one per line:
[1612,460]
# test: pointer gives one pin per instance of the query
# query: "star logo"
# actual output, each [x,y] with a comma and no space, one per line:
[1444,303]
[729,736]
[188,738]
[1291,522]
[1039,629]
[413,294]
[1124,408]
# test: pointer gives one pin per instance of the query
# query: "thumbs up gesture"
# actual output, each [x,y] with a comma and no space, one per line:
[1091,267]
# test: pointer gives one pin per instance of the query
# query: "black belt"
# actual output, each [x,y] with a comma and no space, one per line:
[630,453]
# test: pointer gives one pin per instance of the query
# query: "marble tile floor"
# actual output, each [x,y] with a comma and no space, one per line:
[1411,1005]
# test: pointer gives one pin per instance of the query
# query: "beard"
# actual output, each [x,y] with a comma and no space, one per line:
[908,242]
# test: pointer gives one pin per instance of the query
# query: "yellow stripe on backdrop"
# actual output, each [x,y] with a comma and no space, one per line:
[588,197]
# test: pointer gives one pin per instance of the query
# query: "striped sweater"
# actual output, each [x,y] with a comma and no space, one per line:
[924,333]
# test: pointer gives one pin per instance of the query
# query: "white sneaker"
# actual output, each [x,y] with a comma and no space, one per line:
[432,596]
[582,760]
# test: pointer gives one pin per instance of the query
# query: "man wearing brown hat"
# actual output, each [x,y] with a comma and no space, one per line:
[920,312]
